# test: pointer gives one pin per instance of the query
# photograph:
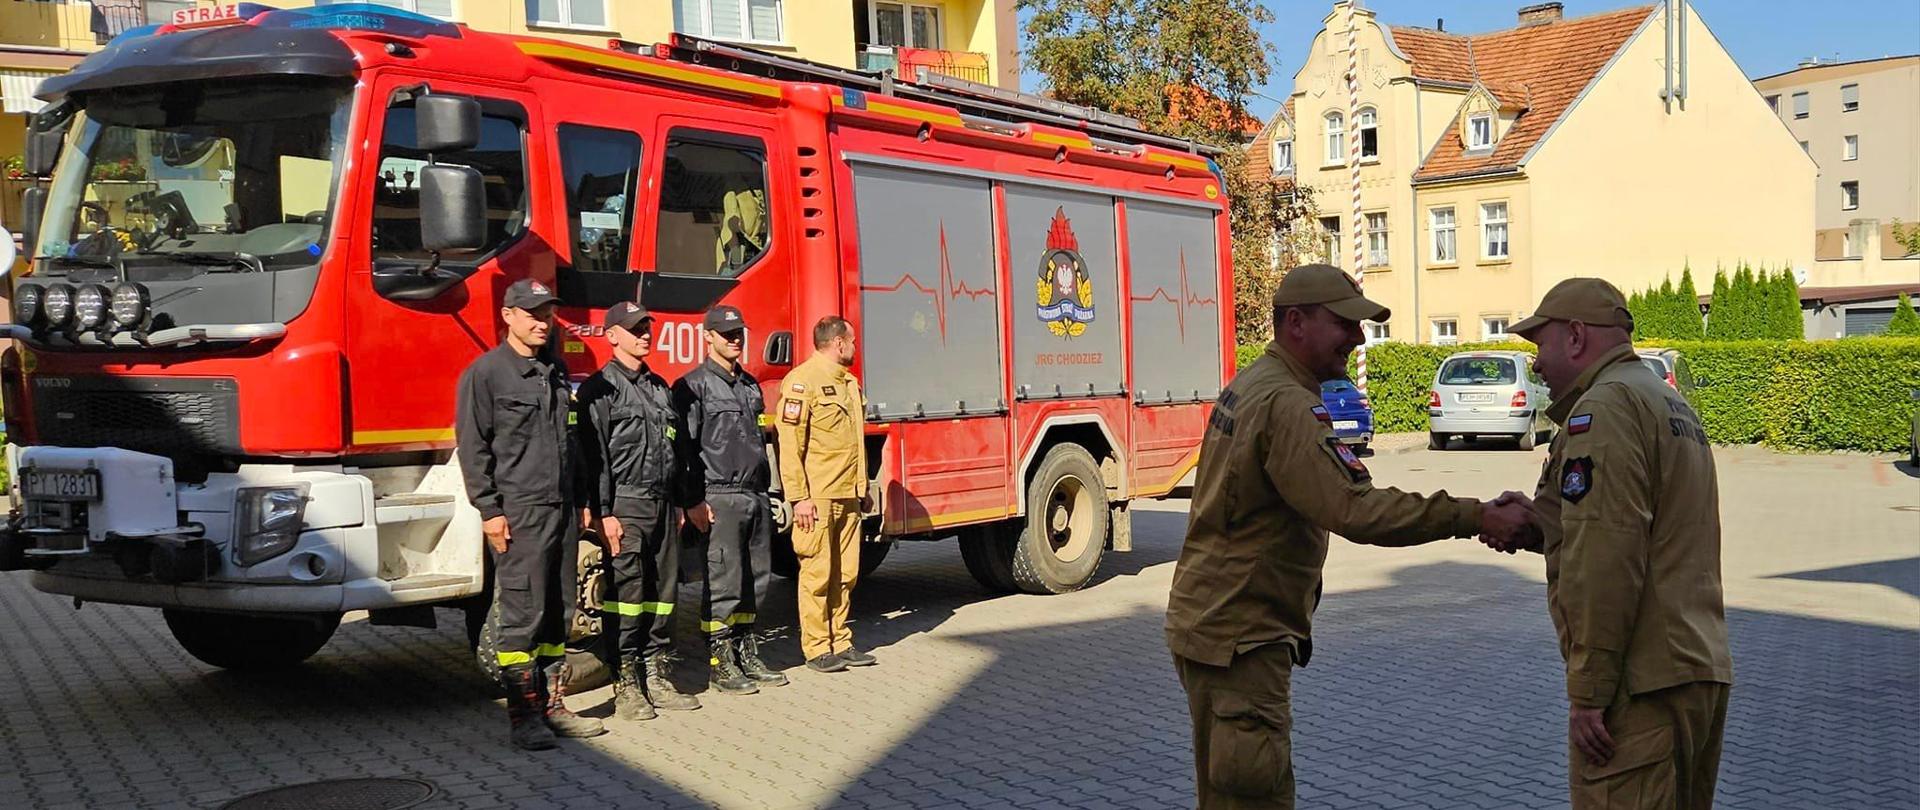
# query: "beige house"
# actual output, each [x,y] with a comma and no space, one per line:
[1494,165]
[1860,121]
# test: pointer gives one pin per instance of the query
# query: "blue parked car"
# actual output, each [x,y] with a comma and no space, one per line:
[1352,414]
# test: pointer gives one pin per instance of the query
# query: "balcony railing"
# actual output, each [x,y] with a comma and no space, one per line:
[906,62]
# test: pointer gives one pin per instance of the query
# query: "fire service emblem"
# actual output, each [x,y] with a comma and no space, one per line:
[1064,287]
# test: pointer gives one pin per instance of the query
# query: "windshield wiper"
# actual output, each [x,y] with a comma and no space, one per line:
[231,258]
[88,261]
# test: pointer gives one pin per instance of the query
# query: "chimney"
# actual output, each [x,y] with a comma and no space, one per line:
[1540,14]
[1440,23]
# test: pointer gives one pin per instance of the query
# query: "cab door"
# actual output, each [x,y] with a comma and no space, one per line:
[601,144]
[721,231]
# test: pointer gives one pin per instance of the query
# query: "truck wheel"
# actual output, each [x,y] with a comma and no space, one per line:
[871,555]
[987,549]
[586,666]
[250,643]
[784,562]
[1066,527]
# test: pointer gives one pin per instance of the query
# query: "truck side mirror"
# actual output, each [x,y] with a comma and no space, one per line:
[46,134]
[446,123]
[453,213]
[33,206]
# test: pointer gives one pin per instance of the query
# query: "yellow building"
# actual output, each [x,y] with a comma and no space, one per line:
[1494,165]
[971,39]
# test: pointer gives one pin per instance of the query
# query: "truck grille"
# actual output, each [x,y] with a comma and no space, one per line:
[174,417]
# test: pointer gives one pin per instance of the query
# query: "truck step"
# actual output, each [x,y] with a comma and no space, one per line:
[411,506]
[409,583]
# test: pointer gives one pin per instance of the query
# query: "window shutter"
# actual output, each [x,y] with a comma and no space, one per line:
[726,19]
[435,8]
[764,17]
[590,13]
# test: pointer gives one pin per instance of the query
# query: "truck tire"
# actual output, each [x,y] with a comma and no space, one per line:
[871,555]
[987,549]
[785,562]
[1065,532]
[586,665]
[250,643]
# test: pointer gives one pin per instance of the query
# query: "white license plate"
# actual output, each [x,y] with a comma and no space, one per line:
[1347,424]
[1475,399]
[62,485]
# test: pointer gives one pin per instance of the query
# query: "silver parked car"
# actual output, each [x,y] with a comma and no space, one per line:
[1492,393]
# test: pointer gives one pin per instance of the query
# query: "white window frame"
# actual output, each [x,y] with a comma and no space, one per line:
[1282,157]
[1335,127]
[1850,147]
[1802,107]
[1479,125]
[746,22]
[1368,120]
[906,22]
[1494,327]
[1846,244]
[1377,332]
[1450,230]
[1806,147]
[1330,237]
[1849,106]
[1446,331]
[1487,223]
[1377,243]
[1773,102]
[1849,195]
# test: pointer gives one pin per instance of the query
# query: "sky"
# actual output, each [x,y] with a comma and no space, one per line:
[1764,36]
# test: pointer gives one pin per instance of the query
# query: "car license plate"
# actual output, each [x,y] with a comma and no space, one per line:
[63,485]
[1475,399]
[1347,424]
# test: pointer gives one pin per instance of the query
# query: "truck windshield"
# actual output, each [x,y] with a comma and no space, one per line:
[231,176]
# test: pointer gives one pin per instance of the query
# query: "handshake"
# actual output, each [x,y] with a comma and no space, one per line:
[1510,524]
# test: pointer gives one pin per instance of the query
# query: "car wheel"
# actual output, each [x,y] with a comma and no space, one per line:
[1529,439]
[1436,441]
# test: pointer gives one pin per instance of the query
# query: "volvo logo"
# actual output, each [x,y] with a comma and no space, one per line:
[53,382]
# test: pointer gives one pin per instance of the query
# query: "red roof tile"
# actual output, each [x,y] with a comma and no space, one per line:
[1543,67]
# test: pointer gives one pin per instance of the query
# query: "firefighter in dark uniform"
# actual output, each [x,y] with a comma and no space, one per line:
[513,423]
[1272,481]
[730,518]
[629,435]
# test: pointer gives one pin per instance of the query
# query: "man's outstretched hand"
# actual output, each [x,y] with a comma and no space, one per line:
[1508,523]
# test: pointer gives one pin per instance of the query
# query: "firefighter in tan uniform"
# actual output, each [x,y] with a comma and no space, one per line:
[1629,512]
[823,469]
[1272,482]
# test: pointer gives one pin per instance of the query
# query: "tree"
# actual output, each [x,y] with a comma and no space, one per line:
[1746,293]
[1686,308]
[1905,322]
[1637,307]
[1182,68]
[1907,237]
[1787,322]
[1720,310]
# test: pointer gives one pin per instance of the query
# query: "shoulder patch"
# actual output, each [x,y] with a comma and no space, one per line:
[1349,460]
[798,388]
[1320,413]
[1580,423]
[1576,479]
[826,390]
[790,411]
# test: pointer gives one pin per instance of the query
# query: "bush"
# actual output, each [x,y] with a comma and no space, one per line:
[1791,395]
[1905,322]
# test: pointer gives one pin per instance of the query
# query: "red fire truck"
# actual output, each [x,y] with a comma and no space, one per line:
[272,239]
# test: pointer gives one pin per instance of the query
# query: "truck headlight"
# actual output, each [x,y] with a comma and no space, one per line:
[267,521]
[89,307]
[129,305]
[58,304]
[26,304]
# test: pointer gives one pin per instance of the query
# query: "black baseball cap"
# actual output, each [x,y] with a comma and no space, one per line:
[529,295]
[724,318]
[626,316]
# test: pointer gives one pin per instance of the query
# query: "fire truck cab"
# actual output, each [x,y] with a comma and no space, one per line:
[272,240]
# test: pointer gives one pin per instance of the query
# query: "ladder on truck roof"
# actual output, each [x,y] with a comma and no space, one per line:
[994,105]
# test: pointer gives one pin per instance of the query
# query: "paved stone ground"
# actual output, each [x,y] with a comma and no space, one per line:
[1435,684]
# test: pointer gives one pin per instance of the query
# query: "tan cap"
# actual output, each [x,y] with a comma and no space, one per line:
[1330,287]
[1592,301]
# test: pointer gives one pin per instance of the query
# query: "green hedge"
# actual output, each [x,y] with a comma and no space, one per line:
[1794,395]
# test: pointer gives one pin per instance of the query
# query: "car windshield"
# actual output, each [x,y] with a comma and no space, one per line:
[1659,367]
[1336,387]
[1478,371]
[236,175]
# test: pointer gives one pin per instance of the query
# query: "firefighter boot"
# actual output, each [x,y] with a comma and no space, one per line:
[747,648]
[727,676]
[660,690]
[629,702]
[561,719]
[524,707]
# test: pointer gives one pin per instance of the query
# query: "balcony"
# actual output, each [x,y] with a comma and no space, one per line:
[906,62]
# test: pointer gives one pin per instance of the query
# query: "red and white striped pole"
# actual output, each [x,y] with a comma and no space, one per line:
[1352,130]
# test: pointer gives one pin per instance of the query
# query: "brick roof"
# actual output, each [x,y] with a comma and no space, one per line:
[1539,67]
[1259,164]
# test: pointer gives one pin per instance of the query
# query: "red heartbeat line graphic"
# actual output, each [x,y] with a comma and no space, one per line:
[1186,299]
[951,288]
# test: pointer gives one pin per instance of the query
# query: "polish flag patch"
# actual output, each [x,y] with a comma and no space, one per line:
[1579,424]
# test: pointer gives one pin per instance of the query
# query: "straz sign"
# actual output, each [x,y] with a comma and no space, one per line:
[206,16]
